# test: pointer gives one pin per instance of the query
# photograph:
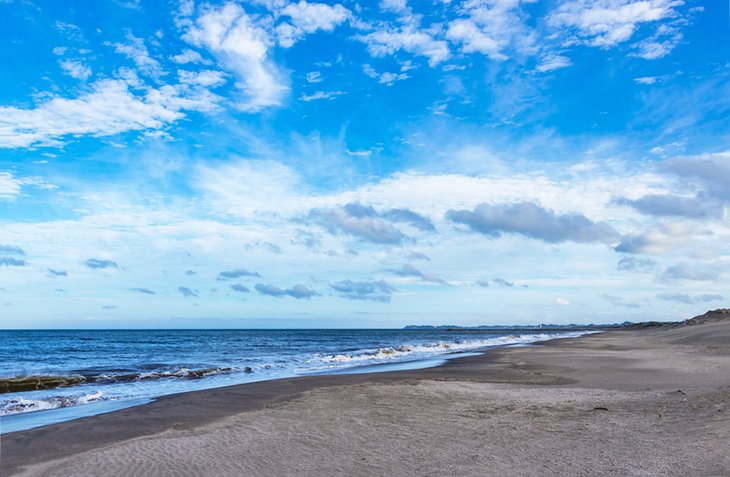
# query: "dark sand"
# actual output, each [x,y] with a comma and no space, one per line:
[636,402]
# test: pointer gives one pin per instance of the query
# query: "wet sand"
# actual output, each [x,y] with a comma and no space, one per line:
[653,401]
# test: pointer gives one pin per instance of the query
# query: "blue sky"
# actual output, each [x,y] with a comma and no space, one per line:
[270,163]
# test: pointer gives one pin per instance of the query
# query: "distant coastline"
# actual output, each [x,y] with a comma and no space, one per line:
[712,315]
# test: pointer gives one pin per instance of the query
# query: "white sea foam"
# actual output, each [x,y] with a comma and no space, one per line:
[430,349]
[18,405]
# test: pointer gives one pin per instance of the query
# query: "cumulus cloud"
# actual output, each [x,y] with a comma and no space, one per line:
[75,69]
[145,291]
[242,46]
[606,23]
[711,172]
[358,221]
[12,262]
[238,273]
[668,235]
[379,290]
[494,28]
[96,263]
[299,291]
[669,205]
[367,224]
[636,264]
[531,220]
[689,299]
[412,218]
[390,39]
[187,292]
[306,18]
[473,39]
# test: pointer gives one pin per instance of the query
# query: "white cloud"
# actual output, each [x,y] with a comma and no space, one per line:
[553,62]
[189,56]
[108,107]
[136,51]
[383,78]
[389,78]
[9,186]
[243,47]
[314,77]
[394,5]
[207,78]
[308,18]
[369,71]
[473,40]
[75,69]
[495,28]
[646,80]
[660,44]
[321,95]
[606,23]
[409,38]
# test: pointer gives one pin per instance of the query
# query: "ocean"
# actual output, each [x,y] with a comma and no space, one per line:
[53,376]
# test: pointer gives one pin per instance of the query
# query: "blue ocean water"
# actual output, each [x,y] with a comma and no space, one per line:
[109,369]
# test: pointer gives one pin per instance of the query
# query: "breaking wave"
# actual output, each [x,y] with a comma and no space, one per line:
[431,349]
[20,404]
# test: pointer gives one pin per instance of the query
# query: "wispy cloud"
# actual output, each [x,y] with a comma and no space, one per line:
[378,290]
[97,263]
[298,291]
[690,299]
[145,291]
[187,292]
[237,273]
[12,262]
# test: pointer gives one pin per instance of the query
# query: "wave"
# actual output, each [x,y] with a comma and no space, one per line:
[438,348]
[39,382]
[21,405]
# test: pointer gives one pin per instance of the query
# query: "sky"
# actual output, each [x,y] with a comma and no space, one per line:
[268,163]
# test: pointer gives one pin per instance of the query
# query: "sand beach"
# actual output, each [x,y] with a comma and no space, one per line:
[646,401]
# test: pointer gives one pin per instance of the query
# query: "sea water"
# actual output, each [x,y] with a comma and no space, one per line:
[85,372]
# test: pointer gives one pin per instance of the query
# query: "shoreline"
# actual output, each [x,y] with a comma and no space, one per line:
[646,363]
[22,421]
